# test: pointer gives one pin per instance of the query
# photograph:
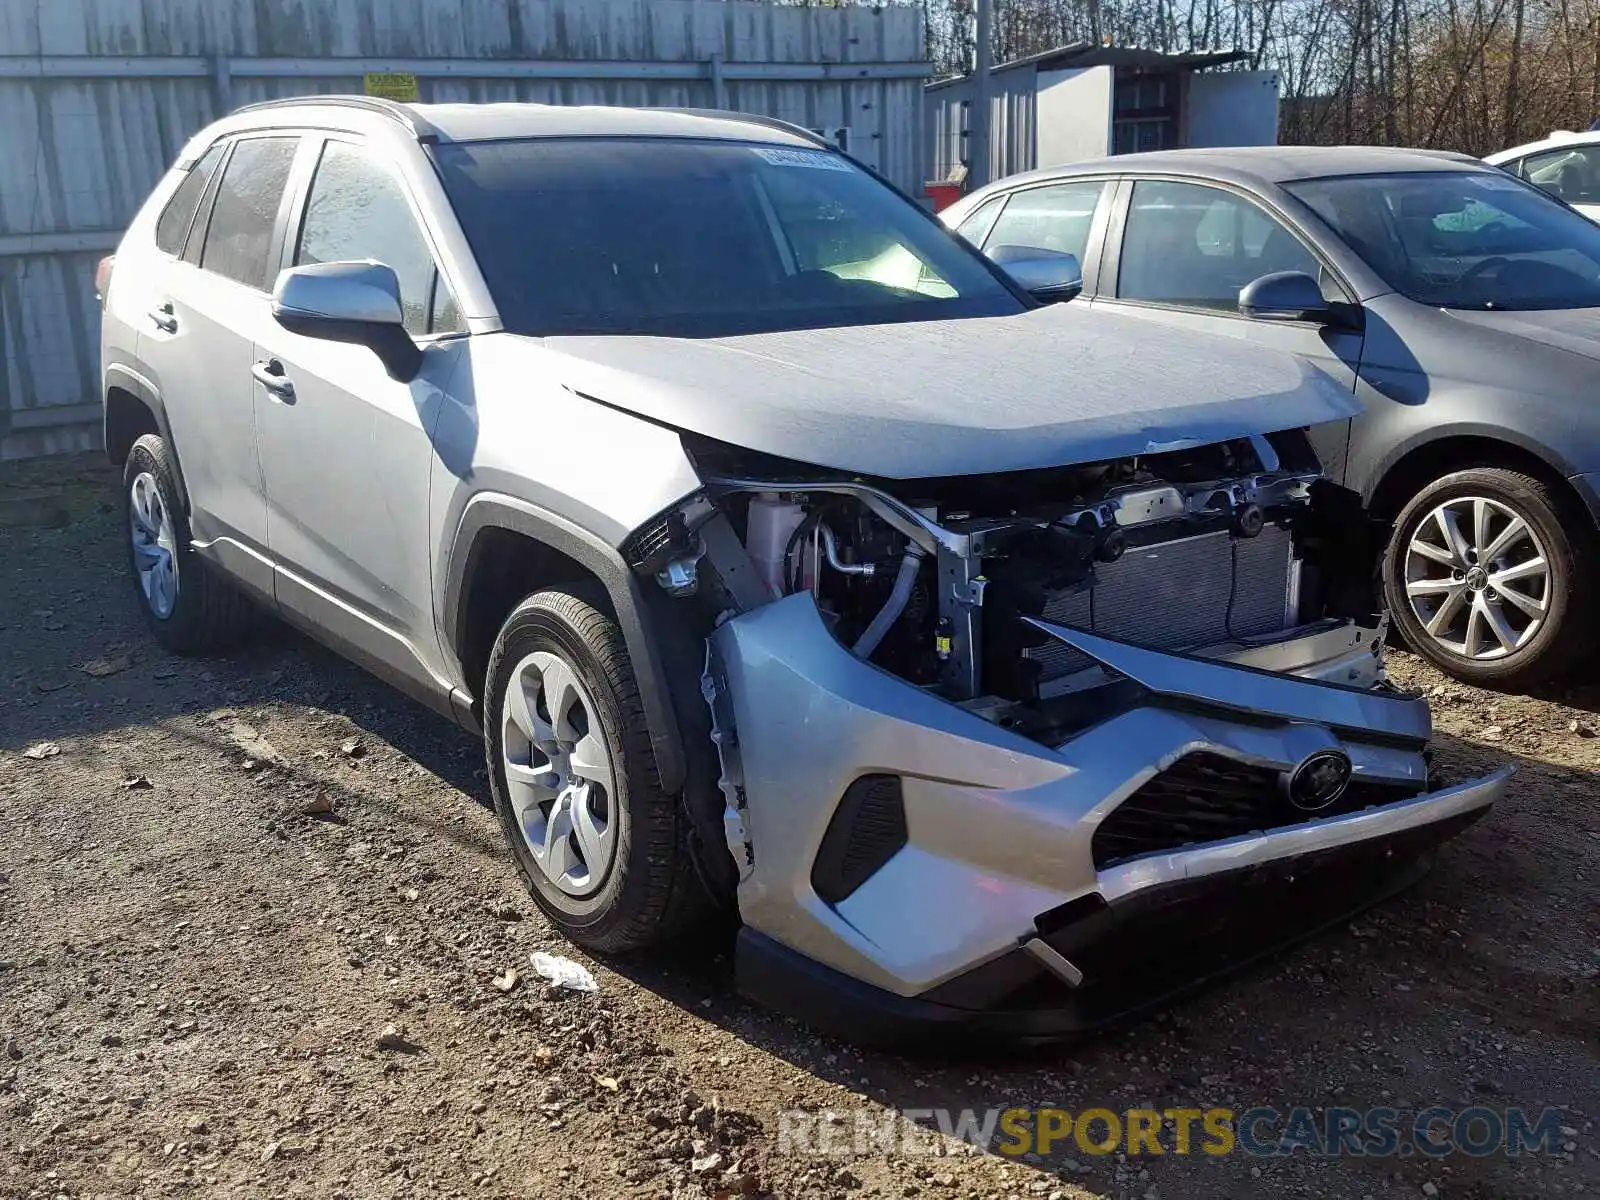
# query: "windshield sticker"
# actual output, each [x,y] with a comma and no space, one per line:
[817,160]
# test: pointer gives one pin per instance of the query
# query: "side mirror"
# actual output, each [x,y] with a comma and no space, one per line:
[1050,276]
[357,302]
[1285,296]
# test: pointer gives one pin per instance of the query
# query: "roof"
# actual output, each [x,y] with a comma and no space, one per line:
[1087,54]
[479,122]
[1557,139]
[1251,165]
[484,122]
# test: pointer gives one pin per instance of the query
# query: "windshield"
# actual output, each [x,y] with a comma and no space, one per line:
[1464,239]
[699,238]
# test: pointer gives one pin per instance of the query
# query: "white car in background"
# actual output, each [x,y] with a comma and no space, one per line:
[1565,164]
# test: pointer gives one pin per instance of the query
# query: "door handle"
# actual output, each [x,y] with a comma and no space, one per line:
[164,319]
[269,374]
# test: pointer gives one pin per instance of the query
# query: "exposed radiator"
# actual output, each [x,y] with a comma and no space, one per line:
[1178,595]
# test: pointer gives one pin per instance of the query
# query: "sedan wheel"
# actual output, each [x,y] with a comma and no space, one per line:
[1488,574]
[1478,578]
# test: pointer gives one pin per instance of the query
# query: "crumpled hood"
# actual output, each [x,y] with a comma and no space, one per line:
[1049,387]
[1575,330]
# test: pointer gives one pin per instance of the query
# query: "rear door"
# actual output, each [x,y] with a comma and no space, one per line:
[204,311]
[345,449]
[1179,251]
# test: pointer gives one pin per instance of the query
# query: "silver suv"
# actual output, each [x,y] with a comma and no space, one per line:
[996,662]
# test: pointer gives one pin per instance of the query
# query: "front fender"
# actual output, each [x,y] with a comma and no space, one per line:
[486,511]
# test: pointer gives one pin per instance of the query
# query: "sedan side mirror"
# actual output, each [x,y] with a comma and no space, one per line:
[356,302]
[1049,276]
[1285,296]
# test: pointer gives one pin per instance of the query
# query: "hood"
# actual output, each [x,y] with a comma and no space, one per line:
[1575,330]
[1048,387]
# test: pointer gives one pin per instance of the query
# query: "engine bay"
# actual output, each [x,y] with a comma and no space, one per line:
[943,582]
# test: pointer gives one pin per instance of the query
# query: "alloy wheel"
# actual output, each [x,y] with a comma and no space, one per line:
[559,774]
[154,545]
[1477,578]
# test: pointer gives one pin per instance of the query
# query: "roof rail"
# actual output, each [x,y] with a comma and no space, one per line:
[397,112]
[755,119]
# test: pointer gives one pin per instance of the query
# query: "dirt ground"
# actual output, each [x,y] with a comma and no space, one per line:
[254,911]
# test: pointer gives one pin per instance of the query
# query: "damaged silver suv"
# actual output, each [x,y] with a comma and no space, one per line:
[1001,663]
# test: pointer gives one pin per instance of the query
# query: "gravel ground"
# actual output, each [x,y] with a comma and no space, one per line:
[256,927]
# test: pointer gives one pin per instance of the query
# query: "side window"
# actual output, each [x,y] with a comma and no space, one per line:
[1573,173]
[1049,218]
[239,237]
[981,219]
[172,228]
[1196,246]
[357,211]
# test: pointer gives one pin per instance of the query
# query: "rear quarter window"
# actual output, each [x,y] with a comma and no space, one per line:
[172,229]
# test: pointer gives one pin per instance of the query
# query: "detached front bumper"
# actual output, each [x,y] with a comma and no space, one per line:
[1043,891]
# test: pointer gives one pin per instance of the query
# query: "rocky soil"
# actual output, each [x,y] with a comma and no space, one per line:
[258,937]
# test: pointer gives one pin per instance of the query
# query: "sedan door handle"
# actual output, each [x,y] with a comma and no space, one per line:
[269,374]
[164,319]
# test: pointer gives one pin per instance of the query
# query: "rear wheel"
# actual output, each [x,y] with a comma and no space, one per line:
[186,604]
[1487,576]
[602,848]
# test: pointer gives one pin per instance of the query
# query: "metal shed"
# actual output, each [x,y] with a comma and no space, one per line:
[1083,101]
[99,95]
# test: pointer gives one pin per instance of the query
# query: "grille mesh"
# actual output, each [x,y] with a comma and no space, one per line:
[1205,797]
[866,831]
[1175,596]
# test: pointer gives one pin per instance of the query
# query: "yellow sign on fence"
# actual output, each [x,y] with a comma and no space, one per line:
[391,87]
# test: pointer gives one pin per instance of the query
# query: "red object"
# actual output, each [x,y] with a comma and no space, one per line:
[102,277]
[943,194]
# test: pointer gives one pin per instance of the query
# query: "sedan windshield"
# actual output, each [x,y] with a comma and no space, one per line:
[701,238]
[1464,239]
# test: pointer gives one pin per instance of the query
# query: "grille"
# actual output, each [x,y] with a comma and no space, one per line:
[648,541]
[1205,797]
[1176,596]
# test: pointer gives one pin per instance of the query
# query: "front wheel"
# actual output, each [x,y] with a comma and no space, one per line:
[1487,575]
[602,848]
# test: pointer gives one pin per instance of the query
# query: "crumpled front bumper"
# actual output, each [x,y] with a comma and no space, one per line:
[994,911]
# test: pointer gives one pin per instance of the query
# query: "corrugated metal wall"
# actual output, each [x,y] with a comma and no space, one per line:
[97,97]
[1013,108]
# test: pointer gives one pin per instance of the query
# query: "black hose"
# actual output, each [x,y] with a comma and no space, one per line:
[895,605]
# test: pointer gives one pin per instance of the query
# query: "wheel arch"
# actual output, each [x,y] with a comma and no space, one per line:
[504,549]
[133,408]
[1413,467]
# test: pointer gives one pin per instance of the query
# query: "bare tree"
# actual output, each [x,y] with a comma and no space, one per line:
[1472,75]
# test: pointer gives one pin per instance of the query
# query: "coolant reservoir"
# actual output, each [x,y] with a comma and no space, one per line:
[772,521]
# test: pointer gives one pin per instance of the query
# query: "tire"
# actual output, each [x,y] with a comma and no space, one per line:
[202,612]
[1419,583]
[640,889]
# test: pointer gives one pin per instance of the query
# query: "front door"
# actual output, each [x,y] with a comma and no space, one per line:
[1182,252]
[345,449]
